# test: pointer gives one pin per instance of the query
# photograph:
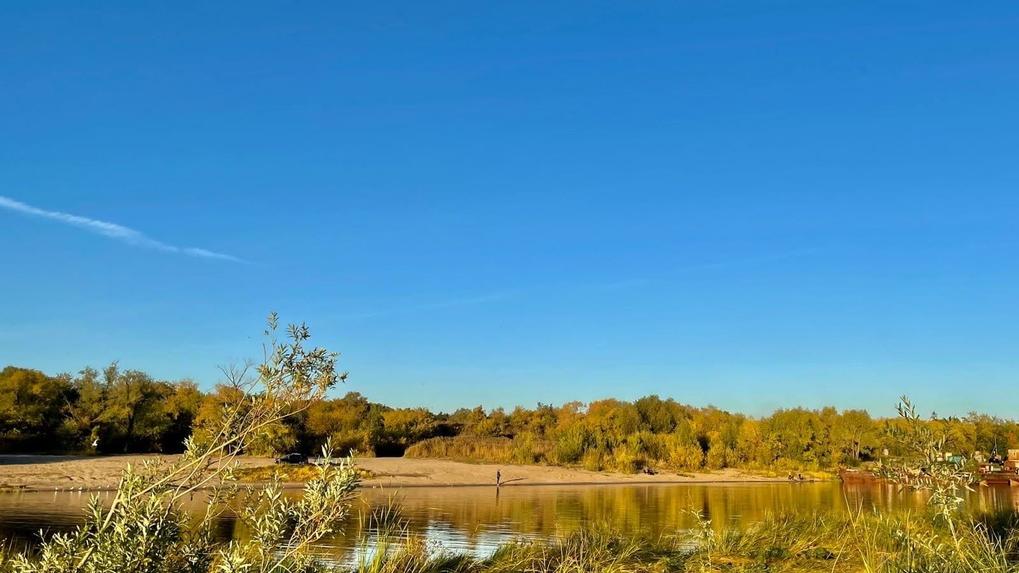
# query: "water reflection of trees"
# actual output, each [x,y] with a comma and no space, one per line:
[480,518]
[653,509]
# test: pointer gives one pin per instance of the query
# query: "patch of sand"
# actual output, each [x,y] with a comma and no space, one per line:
[103,472]
[402,472]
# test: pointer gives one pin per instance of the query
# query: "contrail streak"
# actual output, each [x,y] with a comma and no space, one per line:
[112,230]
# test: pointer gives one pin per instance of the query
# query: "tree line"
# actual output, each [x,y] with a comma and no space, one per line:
[115,410]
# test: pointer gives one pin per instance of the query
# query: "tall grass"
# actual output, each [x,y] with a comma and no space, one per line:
[791,543]
[519,450]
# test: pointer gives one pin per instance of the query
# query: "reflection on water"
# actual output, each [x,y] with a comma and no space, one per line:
[476,519]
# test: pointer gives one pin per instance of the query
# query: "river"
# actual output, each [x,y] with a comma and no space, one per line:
[478,519]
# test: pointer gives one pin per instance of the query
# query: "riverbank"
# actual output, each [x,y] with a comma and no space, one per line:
[74,473]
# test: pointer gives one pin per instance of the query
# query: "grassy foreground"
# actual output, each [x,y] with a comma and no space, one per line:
[865,542]
[792,543]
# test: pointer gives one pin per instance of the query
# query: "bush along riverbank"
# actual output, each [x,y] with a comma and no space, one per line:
[121,411]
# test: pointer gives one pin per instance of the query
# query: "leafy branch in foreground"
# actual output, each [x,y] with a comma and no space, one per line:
[145,530]
[926,467]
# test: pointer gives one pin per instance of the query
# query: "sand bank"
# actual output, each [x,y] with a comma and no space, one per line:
[102,472]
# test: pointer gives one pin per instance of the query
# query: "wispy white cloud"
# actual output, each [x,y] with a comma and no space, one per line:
[112,230]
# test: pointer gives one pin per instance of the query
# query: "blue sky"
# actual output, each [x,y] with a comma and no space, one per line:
[746,204]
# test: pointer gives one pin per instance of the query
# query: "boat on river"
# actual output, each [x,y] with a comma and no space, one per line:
[999,470]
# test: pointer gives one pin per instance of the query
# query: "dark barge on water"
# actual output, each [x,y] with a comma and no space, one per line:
[997,470]
[1000,471]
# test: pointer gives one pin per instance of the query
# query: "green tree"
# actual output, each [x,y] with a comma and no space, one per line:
[86,411]
[856,434]
[180,406]
[656,415]
[31,408]
[135,408]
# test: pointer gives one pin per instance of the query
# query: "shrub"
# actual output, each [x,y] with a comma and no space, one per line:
[469,448]
[570,445]
[144,530]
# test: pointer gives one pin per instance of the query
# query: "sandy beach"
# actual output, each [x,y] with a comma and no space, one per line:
[48,473]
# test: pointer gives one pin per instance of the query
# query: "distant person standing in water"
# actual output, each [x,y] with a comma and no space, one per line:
[498,478]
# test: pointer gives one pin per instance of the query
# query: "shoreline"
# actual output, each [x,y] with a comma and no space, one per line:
[35,473]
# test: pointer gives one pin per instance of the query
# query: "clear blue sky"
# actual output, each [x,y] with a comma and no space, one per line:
[748,204]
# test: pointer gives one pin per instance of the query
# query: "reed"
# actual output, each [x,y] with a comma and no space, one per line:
[781,543]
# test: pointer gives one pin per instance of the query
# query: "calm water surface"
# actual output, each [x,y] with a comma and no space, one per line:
[476,520]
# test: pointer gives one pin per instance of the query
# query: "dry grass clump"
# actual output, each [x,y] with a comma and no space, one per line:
[464,448]
[286,474]
[594,549]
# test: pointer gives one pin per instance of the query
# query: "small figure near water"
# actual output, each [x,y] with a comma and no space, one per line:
[498,478]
